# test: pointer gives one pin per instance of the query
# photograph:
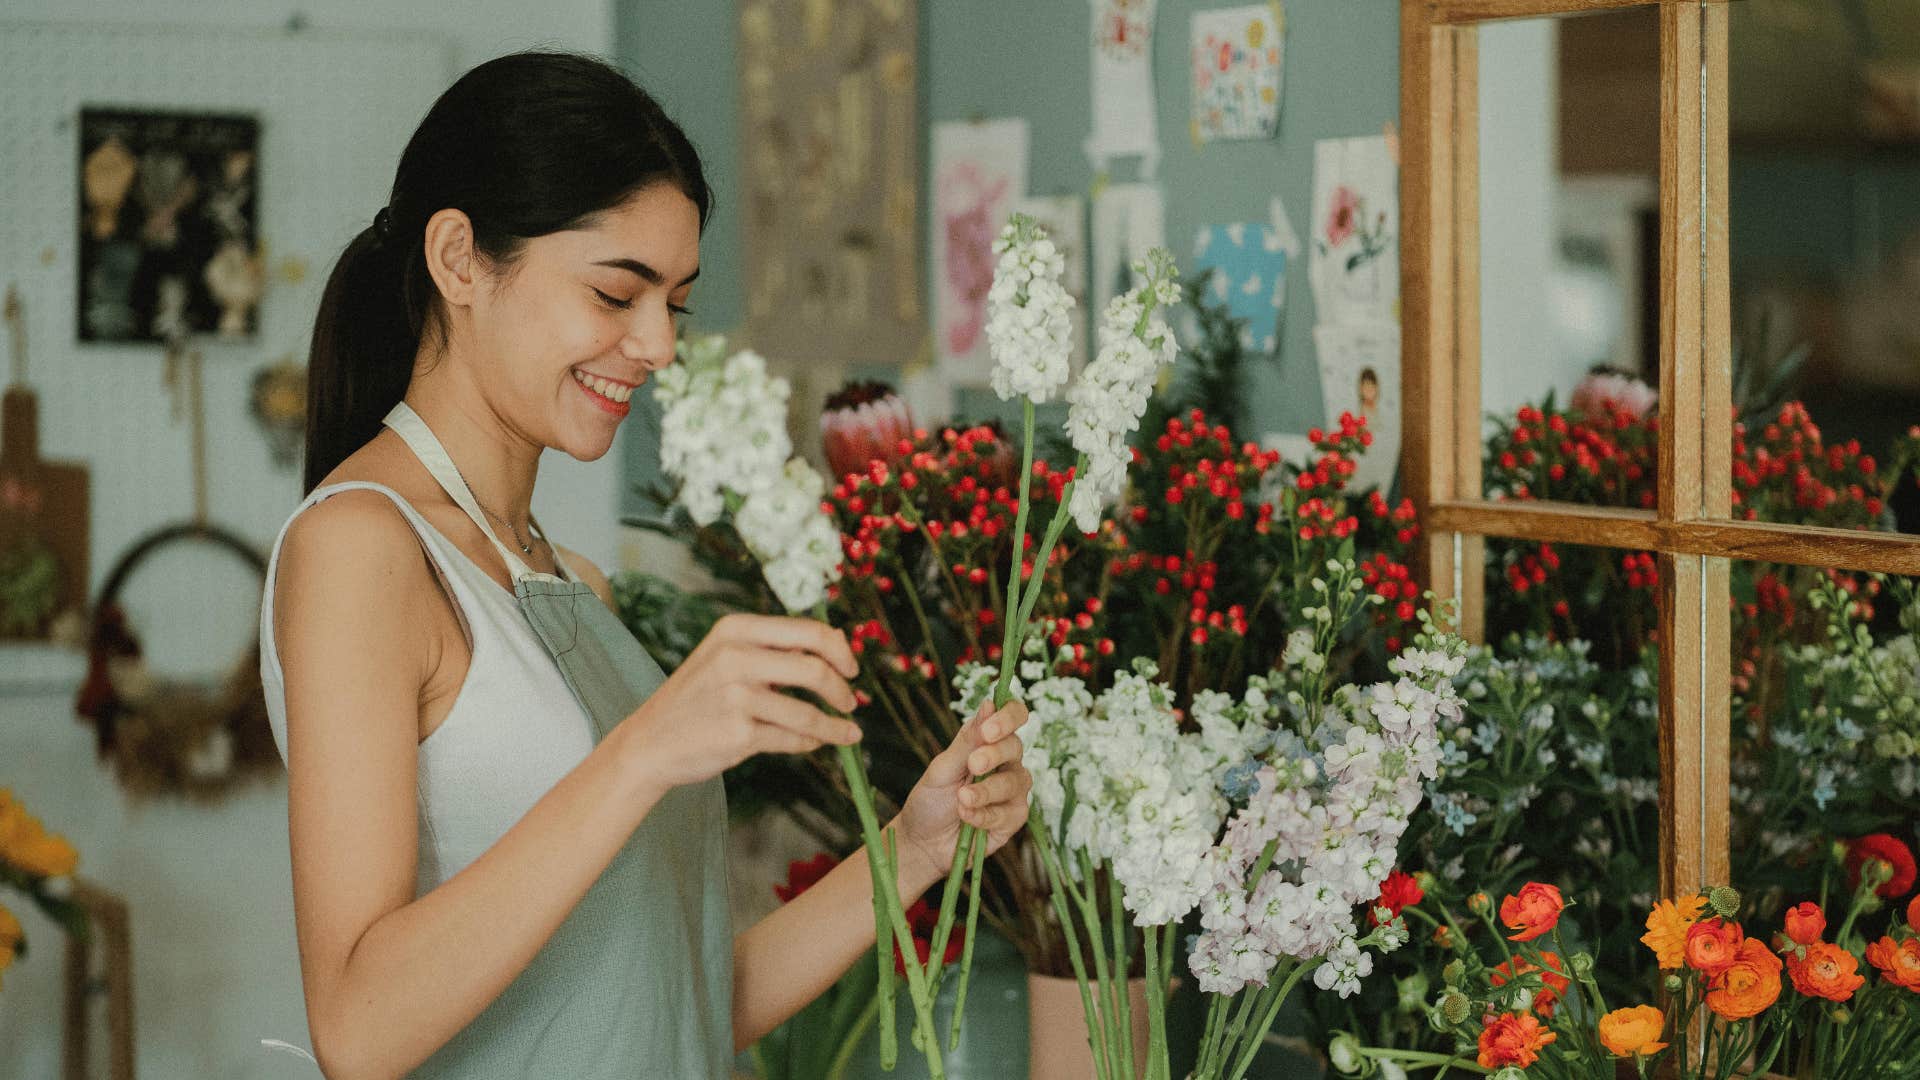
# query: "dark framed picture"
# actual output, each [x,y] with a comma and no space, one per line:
[168,244]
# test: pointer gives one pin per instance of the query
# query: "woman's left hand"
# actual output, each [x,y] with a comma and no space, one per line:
[929,822]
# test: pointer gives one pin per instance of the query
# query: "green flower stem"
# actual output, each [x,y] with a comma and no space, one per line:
[1120,1057]
[1424,1057]
[966,949]
[889,892]
[1267,1016]
[1156,1009]
[1121,965]
[883,969]
[843,1057]
[1057,896]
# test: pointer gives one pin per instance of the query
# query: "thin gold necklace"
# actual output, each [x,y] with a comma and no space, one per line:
[525,548]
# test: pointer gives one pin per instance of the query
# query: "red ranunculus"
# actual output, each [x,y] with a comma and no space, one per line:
[1533,912]
[1887,849]
[1399,892]
[1712,945]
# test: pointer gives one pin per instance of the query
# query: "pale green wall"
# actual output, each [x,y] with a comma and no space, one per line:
[982,58]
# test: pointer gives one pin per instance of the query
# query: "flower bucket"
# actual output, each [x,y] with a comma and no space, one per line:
[993,1039]
[1057,1028]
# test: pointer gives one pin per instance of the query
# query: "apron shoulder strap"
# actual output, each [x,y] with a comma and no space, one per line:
[408,425]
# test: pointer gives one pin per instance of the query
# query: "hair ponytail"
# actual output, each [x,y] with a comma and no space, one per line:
[525,145]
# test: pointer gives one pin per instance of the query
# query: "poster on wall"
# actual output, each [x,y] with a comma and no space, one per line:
[829,141]
[1236,72]
[1128,221]
[1355,263]
[1065,219]
[167,229]
[1125,118]
[1360,374]
[1248,264]
[979,173]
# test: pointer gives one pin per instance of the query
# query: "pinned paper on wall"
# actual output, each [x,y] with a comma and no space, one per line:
[1248,263]
[979,171]
[1360,374]
[1064,217]
[1355,231]
[1128,221]
[1237,59]
[1124,114]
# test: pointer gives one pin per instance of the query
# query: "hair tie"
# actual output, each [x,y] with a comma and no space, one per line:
[383,223]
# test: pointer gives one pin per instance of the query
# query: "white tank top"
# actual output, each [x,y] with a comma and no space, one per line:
[515,728]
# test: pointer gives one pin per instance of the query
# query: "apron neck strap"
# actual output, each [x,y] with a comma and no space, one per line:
[426,446]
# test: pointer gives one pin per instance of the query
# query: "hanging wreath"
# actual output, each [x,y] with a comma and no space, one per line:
[173,738]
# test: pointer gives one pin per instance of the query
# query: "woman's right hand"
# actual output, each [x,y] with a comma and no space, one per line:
[724,705]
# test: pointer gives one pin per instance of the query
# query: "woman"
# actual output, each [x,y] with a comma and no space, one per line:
[506,826]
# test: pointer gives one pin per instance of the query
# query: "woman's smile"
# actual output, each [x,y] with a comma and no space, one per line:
[606,394]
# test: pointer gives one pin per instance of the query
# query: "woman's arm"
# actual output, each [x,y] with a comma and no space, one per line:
[794,954]
[390,977]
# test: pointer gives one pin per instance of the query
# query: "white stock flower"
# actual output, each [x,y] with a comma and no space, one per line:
[1106,404]
[723,425]
[1029,314]
[785,527]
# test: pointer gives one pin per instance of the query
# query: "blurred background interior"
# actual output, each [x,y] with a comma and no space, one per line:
[152,422]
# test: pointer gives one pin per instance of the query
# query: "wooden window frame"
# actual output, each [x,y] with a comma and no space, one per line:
[1691,528]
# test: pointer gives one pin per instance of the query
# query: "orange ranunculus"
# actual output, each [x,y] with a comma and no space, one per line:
[1535,911]
[1828,971]
[1712,945]
[1553,981]
[1667,927]
[1805,923]
[1512,1039]
[10,935]
[1749,985]
[1625,1032]
[1899,962]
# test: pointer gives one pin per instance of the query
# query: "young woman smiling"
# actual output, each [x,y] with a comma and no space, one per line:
[507,826]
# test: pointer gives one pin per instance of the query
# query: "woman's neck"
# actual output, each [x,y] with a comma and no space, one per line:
[498,464]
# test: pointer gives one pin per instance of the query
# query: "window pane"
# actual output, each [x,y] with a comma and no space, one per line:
[1824,253]
[1569,160]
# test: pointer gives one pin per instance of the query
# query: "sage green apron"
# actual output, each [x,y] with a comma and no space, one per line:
[638,981]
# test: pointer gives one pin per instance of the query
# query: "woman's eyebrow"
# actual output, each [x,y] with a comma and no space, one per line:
[646,273]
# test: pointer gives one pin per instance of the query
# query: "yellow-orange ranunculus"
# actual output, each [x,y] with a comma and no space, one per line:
[1827,971]
[10,935]
[1625,1032]
[1535,911]
[1513,1039]
[1712,945]
[26,844]
[1899,962]
[1667,927]
[1749,985]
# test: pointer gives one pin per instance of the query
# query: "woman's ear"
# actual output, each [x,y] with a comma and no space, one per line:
[449,252]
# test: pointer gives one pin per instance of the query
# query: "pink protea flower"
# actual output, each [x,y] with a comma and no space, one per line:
[863,422]
[1603,392]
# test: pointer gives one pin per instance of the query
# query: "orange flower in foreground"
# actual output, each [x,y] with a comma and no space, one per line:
[1535,911]
[1749,985]
[1625,1032]
[1554,982]
[1512,1039]
[10,935]
[1828,971]
[1667,927]
[1712,945]
[1899,962]
[1805,923]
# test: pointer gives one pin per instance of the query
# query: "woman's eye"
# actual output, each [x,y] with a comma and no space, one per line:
[612,302]
[678,310]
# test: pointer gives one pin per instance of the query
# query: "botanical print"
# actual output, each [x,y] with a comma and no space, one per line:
[1360,374]
[1124,113]
[1237,55]
[1355,231]
[979,169]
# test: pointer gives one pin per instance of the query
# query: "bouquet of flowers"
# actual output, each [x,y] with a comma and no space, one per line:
[39,865]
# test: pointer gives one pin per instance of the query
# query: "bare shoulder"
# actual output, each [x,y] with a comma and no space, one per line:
[583,568]
[351,560]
